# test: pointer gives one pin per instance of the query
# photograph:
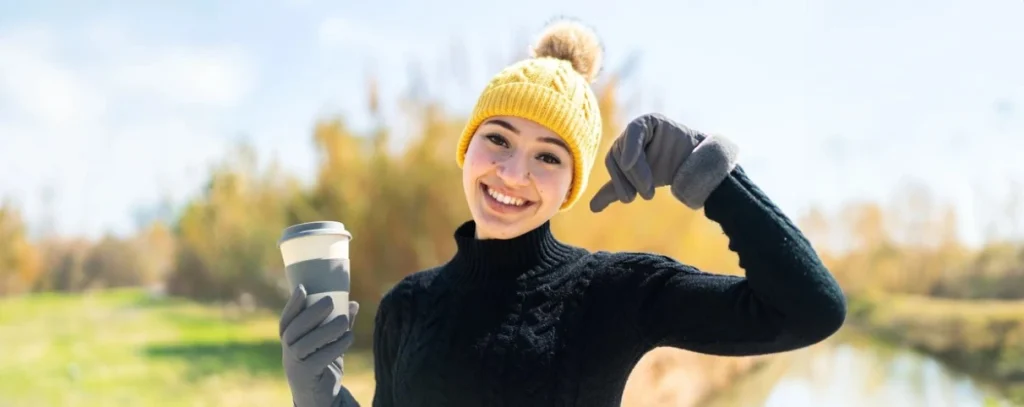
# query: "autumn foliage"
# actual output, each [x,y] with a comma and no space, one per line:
[403,205]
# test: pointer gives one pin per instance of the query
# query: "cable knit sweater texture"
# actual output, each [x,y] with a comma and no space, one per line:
[532,321]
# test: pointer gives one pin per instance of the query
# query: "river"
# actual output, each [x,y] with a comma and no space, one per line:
[854,371]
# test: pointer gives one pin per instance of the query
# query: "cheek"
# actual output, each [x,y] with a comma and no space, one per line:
[478,160]
[552,184]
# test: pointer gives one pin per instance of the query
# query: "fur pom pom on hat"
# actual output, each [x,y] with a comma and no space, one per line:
[552,88]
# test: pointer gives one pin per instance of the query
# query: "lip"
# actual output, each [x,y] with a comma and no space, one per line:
[499,207]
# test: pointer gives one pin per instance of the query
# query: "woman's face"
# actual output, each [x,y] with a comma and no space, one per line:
[516,176]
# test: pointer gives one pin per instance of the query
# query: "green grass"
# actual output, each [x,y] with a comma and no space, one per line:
[120,348]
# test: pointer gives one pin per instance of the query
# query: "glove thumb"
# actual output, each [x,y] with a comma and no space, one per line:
[604,197]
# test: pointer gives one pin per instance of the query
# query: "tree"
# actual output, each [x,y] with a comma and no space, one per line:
[20,262]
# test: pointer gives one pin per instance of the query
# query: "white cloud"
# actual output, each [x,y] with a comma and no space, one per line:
[106,37]
[209,76]
[32,83]
[390,44]
[337,31]
[59,116]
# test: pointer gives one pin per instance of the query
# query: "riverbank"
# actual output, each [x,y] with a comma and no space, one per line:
[854,369]
[982,338]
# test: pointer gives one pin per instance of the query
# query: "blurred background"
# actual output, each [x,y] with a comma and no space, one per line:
[151,154]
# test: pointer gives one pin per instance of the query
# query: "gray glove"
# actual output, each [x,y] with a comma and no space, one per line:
[312,354]
[653,151]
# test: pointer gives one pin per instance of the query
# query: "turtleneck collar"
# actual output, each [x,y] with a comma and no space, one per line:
[483,260]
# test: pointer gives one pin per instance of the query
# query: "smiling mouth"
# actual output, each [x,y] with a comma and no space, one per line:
[502,201]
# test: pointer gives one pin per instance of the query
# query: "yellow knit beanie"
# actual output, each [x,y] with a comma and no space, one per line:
[551,88]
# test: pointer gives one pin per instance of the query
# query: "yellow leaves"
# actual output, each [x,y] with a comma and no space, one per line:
[157,242]
[912,246]
[20,262]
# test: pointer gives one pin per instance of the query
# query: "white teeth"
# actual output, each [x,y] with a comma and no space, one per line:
[505,199]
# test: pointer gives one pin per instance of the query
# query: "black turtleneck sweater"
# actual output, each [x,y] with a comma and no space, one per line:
[532,321]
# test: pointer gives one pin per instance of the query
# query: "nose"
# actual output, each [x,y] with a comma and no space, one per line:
[514,172]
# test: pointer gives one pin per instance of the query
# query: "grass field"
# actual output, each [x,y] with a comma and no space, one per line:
[123,348]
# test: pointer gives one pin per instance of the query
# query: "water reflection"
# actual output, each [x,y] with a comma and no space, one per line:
[854,371]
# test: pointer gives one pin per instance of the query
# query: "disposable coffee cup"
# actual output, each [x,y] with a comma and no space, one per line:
[315,255]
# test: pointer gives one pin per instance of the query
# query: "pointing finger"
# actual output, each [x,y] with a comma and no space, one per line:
[604,197]
[624,190]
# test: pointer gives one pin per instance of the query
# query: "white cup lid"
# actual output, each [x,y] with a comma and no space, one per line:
[314,228]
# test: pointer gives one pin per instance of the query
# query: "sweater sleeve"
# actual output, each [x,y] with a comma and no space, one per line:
[787,300]
[386,334]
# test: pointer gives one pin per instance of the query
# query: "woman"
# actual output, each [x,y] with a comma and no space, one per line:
[518,318]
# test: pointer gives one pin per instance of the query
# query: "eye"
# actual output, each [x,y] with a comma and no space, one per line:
[497,139]
[549,158]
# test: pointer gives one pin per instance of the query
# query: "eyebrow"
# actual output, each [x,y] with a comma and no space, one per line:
[550,140]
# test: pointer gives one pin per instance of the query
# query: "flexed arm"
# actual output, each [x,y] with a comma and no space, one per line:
[787,300]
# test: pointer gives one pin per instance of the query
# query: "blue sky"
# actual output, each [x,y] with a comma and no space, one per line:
[830,100]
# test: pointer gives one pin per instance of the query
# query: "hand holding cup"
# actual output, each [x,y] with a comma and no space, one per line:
[312,348]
